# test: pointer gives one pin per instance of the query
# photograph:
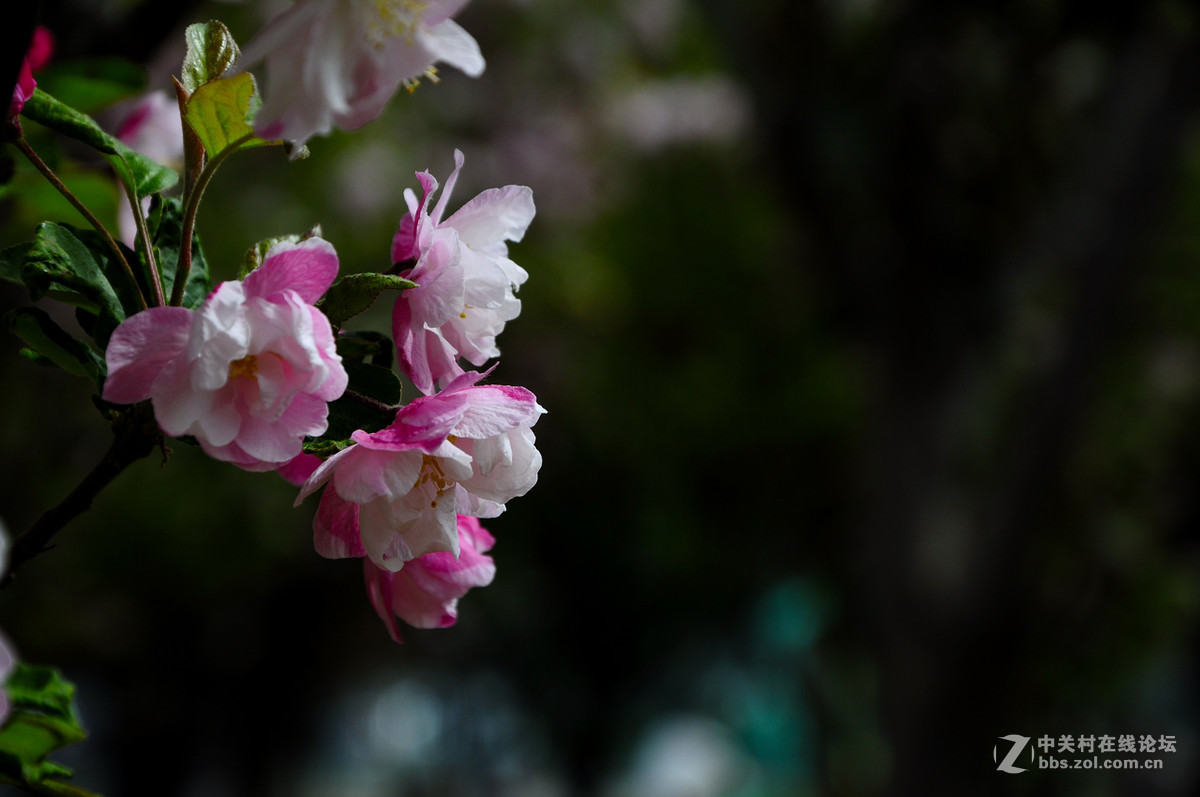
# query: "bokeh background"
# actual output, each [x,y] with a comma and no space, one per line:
[870,338]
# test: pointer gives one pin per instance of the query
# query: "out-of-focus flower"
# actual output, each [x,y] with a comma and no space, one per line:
[425,592]
[338,62]
[149,125]
[41,48]
[395,494]
[250,373]
[465,279]
[8,661]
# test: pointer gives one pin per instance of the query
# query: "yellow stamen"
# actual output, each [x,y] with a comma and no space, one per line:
[246,366]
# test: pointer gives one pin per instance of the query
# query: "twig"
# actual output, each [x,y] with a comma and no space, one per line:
[135,438]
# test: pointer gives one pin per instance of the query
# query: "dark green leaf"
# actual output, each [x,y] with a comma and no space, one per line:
[211,50]
[354,293]
[12,261]
[58,259]
[369,402]
[167,234]
[34,326]
[136,171]
[358,345]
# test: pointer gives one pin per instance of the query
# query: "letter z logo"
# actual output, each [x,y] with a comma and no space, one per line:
[1018,744]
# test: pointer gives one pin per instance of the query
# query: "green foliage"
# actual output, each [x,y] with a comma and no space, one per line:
[354,293]
[58,259]
[211,50]
[49,340]
[42,720]
[369,403]
[359,344]
[137,173]
[221,114]
[167,233]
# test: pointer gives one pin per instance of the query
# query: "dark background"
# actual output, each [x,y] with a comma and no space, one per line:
[870,338]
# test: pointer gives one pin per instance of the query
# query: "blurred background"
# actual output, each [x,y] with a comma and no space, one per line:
[870,338]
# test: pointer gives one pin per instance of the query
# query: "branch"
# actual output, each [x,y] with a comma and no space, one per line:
[136,436]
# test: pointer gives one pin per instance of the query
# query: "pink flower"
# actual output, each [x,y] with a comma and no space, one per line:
[8,660]
[466,280]
[41,48]
[338,62]
[249,374]
[395,494]
[425,592]
[149,125]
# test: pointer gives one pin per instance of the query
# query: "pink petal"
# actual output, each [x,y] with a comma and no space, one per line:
[140,348]
[308,268]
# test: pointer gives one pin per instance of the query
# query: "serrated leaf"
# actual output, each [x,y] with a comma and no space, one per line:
[211,50]
[58,259]
[134,170]
[354,293]
[167,234]
[221,113]
[91,84]
[39,331]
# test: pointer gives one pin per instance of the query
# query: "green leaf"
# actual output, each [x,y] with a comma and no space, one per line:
[45,337]
[354,293]
[12,261]
[41,721]
[59,260]
[167,234]
[211,50]
[382,389]
[91,84]
[135,171]
[359,344]
[221,113]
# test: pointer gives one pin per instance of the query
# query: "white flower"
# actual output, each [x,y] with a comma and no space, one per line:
[338,62]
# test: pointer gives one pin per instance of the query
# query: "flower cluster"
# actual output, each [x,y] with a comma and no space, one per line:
[261,372]
[251,373]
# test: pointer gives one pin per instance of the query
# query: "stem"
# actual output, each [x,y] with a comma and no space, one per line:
[192,206]
[49,174]
[136,435]
[367,401]
[148,248]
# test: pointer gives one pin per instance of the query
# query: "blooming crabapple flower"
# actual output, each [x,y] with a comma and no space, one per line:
[149,125]
[41,47]
[425,592]
[250,372]
[464,276]
[395,494]
[338,62]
